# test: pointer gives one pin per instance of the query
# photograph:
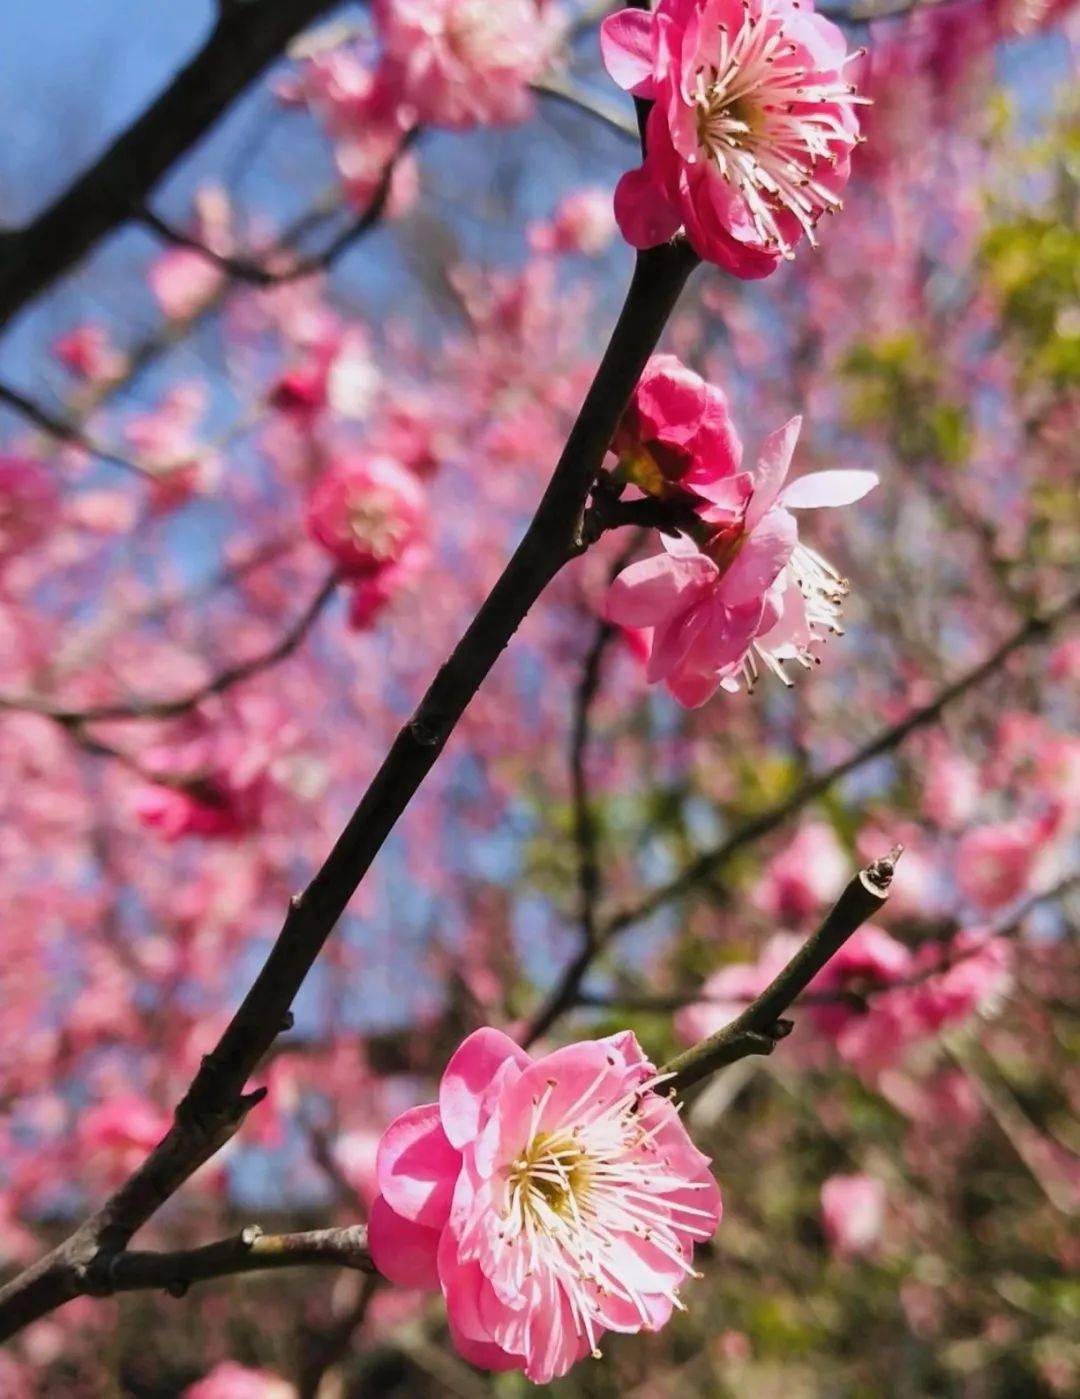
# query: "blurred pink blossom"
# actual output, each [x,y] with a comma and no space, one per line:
[367,512]
[463,63]
[29,502]
[805,875]
[228,1380]
[853,1213]
[583,223]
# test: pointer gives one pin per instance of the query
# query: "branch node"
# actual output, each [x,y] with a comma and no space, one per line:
[249,1235]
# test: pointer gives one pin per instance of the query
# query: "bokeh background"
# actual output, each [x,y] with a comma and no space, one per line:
[899,1219]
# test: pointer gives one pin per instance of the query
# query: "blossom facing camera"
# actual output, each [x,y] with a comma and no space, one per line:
[749,139]
[367,512]
[550,1199]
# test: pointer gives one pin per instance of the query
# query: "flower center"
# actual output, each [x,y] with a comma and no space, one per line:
[580,1186]
[768,123]
[374,525]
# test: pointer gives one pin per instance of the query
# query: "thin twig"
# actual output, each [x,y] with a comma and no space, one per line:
[65,430]
[250,1251]
[225,679]
[260,274]
[243,42]
[759,1028]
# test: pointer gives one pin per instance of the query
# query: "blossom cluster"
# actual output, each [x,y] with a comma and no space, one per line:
[736,585]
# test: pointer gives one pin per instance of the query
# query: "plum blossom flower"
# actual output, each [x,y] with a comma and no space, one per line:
[184,280]
[87,352]
[852,1213]
[28,504]
[231,1381]
[464,63]
[551,1199]
[583,223]
[368,512]
[749,589]
[117,1134]
[996,864]
[676,431]
[808,873]
[730,990]
[749,138]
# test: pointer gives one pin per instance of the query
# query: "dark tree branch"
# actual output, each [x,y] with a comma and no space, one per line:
[250,1252]
[243,42]
[225,679]
[64,430]
[760,1027]
[216,1103]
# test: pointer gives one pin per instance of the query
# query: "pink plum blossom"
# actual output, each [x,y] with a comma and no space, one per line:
[806,875]
[676,431]
[367,512]
[728,992]
[232,1381]
[975,975]
[551,1199]
[184,280]
[464,63]
[87,352]
[583,223]
[995,864]
[749,588]
[750,135]
[852,1212]
[119,1133]
[28,504]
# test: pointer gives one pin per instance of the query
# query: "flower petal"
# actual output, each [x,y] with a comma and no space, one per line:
[654,591]
[417,1167]
[827,488]
[771,470]
[626,46]
[405,1253]
[468,1074]
[643,212]
[761,558]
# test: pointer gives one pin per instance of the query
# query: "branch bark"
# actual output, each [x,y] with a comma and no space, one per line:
[216,1104]
[243,42]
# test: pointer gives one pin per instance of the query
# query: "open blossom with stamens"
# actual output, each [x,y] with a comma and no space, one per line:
[551,1200]
[368,512]
[744,589]
[750,135]
[463,63]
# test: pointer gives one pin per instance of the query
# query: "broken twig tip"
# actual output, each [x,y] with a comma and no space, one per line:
[878,875]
